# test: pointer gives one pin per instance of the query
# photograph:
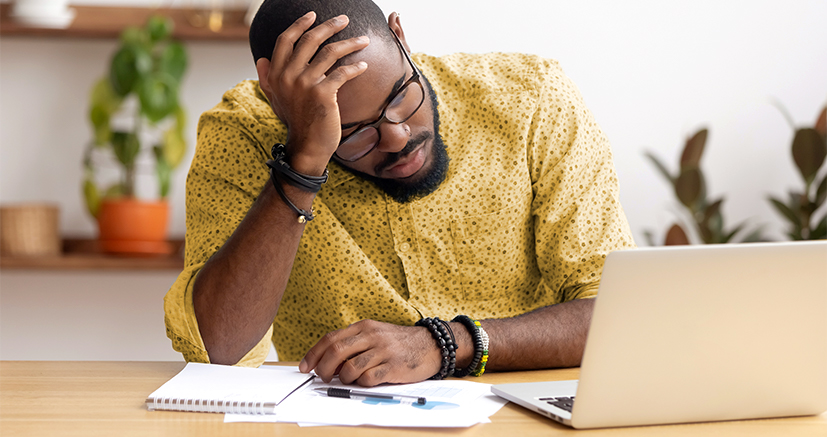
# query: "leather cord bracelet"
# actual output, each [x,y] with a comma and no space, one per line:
[304,216]
[305,182]
[279,167]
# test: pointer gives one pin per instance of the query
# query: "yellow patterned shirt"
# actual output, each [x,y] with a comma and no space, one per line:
[527,213]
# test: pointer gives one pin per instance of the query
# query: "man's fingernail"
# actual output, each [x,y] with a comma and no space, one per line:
[303,365]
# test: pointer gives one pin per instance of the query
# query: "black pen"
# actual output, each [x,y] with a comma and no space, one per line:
[357,394]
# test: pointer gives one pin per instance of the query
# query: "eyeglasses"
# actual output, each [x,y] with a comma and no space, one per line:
[402,106]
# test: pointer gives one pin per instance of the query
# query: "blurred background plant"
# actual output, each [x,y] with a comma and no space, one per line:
[703,216]
[144,78]
[809,149]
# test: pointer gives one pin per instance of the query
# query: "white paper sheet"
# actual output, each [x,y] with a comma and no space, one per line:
[451,403]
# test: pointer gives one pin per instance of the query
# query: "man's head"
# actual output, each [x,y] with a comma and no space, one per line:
[409,159]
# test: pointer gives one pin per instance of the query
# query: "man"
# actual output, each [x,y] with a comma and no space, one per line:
[465,185]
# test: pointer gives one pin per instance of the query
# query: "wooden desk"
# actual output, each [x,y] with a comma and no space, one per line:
[66,398]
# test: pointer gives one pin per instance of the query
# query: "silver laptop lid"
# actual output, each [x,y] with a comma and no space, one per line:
[704,333]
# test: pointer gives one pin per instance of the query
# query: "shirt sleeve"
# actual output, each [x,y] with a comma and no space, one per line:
[576,208]
[225,177]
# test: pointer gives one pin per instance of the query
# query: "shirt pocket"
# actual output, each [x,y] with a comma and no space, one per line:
[495,252]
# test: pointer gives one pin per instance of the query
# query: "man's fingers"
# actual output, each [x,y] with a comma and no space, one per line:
[309,42]
[333,52]
[342,74]
[285,42]
[353,368]
[329,347]
[338,353]
[375,375]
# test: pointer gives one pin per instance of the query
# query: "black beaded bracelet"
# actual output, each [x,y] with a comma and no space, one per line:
[444,341]
[305,182]
[478,347]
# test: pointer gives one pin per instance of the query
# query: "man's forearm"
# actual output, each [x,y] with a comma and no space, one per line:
[552,336]
[237,293]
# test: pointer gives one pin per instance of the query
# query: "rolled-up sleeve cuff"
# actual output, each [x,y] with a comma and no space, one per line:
[182,326]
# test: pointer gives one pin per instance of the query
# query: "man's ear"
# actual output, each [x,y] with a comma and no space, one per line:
[396,27]
[263,70]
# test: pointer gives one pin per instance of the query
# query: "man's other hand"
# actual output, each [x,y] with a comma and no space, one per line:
[370,353]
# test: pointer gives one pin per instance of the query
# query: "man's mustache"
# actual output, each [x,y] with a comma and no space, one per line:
[393,158]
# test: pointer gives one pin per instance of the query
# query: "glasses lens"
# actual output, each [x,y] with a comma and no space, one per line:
[403,106]
[358,144]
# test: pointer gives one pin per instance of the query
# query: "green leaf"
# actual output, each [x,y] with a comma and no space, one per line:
[688,187]
[100,123]
[820,232]
[159,27]
[785,211]
[714,222]
[159,97]
[180,119]
[128,65]
[103,103]
[163,170]
[754,236]
[135,36]
[173,60]
[115,190]
[649,237]
[728,237]
[809,151]
[712,210]
[126,147]
[821,192]
[174,147]
[694,149]
[821,123]
[660,167]
[676,236]
[92,197]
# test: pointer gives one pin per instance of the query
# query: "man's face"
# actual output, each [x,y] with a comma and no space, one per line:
[410,159]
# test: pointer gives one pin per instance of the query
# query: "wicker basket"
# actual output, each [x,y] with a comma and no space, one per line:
[29,230]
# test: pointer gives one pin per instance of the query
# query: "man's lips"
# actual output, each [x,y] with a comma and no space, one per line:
[407,165]
[404,157]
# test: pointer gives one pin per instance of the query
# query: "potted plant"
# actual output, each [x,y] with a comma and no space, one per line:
[809,150]
[136,116]
[702,215]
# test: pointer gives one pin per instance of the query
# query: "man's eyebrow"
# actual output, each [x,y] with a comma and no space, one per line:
[394,90]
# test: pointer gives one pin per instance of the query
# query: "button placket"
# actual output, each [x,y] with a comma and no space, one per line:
[404,238]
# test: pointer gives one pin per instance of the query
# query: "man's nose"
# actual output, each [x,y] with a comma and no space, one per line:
[393,137]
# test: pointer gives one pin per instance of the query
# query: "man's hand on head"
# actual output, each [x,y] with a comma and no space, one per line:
[370,353]
[302,89]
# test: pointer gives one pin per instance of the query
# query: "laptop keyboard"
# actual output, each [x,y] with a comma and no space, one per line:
[562,402]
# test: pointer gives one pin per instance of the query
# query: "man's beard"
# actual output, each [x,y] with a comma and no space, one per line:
[403,190]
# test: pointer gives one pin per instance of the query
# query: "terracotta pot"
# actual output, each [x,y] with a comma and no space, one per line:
[131,226]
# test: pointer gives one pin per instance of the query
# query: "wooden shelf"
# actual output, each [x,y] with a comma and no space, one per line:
[109,22]
[85,254]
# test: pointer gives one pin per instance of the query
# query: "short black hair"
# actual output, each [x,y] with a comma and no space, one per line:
[275,16]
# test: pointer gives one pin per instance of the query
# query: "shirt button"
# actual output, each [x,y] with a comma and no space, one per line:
[404,247]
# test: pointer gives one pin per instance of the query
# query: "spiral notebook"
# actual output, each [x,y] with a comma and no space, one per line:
[212,388]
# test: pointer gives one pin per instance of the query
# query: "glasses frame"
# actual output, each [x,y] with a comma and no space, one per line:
[383,118]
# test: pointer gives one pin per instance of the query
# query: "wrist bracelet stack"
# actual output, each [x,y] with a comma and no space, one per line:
[280,167]
[445,342]
[480,339]
[480,369]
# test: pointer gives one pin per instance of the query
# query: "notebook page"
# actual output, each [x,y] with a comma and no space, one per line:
[221,384]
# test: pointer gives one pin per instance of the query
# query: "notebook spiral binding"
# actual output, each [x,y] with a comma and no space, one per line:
[211,406]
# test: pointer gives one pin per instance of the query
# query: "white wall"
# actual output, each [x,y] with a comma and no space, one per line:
[652,71]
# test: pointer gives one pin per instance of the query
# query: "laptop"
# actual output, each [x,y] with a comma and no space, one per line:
[698,334]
